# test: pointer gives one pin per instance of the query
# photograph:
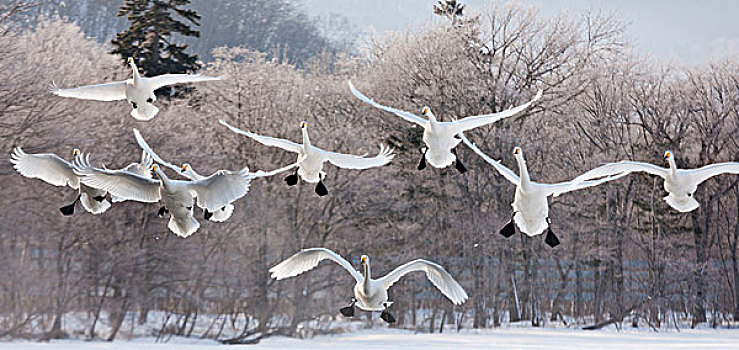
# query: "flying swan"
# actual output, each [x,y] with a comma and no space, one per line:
[530,205]
[680,184]
[178,196]
[441,137]
[311,158]
[56,171]
[187,171]
[139,91]
[370,294]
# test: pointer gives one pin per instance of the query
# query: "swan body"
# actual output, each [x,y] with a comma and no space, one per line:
[371,294]
[311,158]
[441,137]
[680,184]
[56,171]
[138,91]
[530,204]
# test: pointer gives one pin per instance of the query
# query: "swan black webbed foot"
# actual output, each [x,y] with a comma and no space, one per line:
[292,179]
[509,229]
[386,316]
[551,240]
[68,210]
[321,188]
[422,163]
[458,163]
[349,310]
[206,214]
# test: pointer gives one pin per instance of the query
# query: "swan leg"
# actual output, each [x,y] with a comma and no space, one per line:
[68,210]
[422,163]
[551,240]
[458,163]
[99,198]
[163,210]
[321,188]
[292,179]
[386,316]
[509,229]
[349,310]
[206,214]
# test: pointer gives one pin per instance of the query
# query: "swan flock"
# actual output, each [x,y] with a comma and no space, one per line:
[216,194]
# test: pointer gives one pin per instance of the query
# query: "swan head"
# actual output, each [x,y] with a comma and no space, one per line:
[426,112]
[185,167]
[668,155]
[130,60]
[303,125]
[76,152]
[364,260]
[517,152]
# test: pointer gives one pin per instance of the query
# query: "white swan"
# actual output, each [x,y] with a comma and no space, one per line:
[530,205]
[311,158]
[441,137]
[187,171]
[680,184]
[56,171]
[138,91]
[178,197]
[370,294]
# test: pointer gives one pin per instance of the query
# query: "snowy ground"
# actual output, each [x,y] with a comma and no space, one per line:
[510,338]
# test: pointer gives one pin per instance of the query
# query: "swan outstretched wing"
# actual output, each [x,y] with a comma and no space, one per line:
[120,183]
[502,169]
[306,260]
[44,166]
[435,273]
[704,173]
[403,114]
[266,140]
[114,91]
[220,189]
[172,79]
[349,161]
[147,149]
[470,123]
[261,173]
[564,187]
[625,167]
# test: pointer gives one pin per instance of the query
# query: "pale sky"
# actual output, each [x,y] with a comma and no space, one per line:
[686,31]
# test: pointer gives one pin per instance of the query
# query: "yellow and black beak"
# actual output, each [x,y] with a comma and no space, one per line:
[130,60]
[303,125]
[184,168]
[364,259]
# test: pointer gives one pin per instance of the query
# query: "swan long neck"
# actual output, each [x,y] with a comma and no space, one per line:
[306,139]
[432,121]
[162,177]
[136,75]
[673,165]
[366,274]
[523,172]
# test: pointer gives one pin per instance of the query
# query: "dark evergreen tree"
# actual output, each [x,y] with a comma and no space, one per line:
[150,39]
